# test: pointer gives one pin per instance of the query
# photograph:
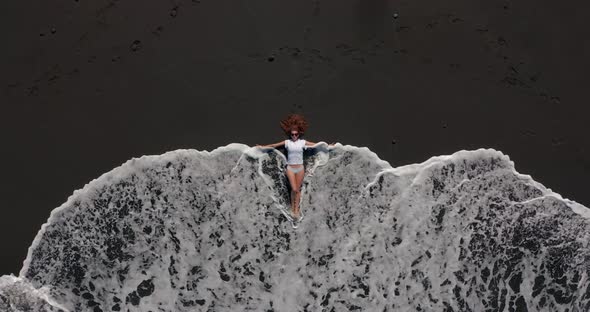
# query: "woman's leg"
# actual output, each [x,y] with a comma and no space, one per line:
[293,183]
[298,181]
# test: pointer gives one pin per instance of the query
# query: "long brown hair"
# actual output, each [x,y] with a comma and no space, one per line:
[292,122]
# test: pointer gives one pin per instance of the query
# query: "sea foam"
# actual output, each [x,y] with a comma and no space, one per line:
[210,231]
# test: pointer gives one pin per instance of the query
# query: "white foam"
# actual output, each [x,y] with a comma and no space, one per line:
[217,211]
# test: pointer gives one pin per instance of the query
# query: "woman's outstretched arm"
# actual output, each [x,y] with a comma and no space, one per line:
[272,145]
[308,143]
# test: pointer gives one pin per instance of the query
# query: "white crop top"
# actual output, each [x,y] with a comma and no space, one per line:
[295,151]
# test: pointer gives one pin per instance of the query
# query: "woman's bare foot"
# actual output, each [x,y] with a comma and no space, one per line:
[296,211]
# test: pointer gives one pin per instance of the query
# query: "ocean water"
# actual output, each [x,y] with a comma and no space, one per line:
[210,231]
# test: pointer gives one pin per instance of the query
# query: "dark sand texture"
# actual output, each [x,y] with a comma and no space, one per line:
[87,85]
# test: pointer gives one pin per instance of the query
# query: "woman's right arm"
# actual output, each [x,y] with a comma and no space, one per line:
[272,145]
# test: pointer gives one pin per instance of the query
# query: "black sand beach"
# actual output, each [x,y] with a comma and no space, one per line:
[88,85]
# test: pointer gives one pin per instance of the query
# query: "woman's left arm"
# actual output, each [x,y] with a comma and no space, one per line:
[308,143]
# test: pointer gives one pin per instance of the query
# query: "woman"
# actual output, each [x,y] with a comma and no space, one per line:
[294,126]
